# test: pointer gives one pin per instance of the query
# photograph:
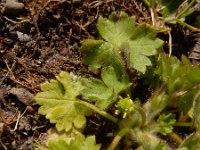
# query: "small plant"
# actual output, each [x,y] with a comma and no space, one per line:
[67,100]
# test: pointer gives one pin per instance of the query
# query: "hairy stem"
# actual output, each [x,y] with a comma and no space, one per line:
[101,112]
[117,138]
[187,25]
[176,138]
[183,124]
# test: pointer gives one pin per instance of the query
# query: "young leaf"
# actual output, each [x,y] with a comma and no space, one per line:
[104,91]
[165,123]
[59,102]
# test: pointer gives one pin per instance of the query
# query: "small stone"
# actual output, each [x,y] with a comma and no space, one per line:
[13,7]
[23,96]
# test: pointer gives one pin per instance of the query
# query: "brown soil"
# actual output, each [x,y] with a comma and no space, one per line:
[35,45]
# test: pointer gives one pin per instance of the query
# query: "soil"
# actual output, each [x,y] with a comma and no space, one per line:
[37,41]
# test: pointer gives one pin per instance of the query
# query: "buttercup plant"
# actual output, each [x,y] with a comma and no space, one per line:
[67,101]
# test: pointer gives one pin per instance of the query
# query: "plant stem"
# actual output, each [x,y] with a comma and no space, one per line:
[186,9]
[183,124]
[117,138]
[101,112]
[176,138]
[187,25]
[143,115]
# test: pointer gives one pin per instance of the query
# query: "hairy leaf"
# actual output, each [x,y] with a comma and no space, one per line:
[97,53]
[150,141]
[122,39]
[60,104]
[155,105]
[106,90]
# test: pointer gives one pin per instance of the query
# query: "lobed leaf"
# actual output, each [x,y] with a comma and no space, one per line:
[122,39]
[60,104]
[106,90]
[143,43]
[97,53]
[79,143]
[117,29]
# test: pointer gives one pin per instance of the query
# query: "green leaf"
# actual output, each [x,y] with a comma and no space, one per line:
[143,43]
[104,91]
[97,53]
[176,75]
[82,143]
[123,40]
[79,143]
[117,29]
[187,101]
[166,123]
[60,104]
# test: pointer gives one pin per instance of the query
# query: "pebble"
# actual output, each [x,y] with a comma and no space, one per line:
[13,7]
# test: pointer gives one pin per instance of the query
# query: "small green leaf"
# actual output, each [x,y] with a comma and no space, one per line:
[59,102]
[165,123]
[79,143]
[104,91]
